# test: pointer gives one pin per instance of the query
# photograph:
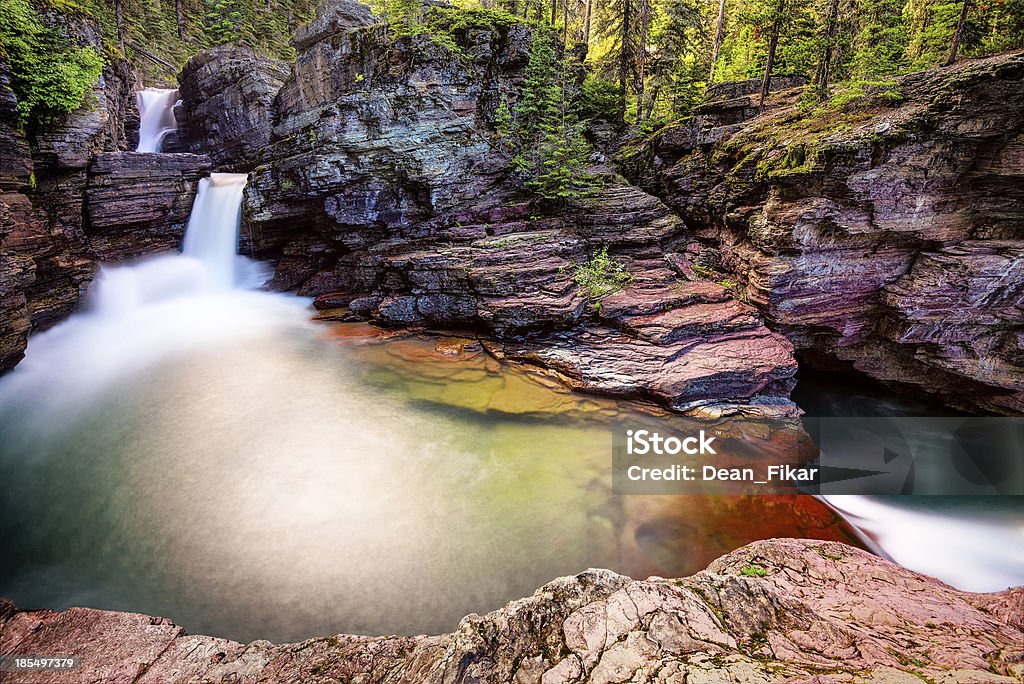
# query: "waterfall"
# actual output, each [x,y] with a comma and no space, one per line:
[156,117]
[208,261]
[164,306]
[973,545]
[212,233]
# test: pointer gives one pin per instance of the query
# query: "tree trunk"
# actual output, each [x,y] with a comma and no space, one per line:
[718,40]
[773,43]
[554,11]
[565,24]
[624,58]
[179,19]
[586,22]
[119,22]
[825,65]
[959,34]
[641,58]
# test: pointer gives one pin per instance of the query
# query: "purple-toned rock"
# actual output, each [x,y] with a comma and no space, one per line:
[814,611]
[139,203]
[698,372]
[884,236]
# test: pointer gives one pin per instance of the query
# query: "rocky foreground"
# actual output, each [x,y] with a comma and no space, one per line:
[781,610]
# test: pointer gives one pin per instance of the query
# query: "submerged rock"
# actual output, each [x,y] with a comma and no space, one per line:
[780,610]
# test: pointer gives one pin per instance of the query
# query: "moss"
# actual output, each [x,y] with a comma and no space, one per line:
[707,602]
[702,271]
[825,554]
[753,570]
[50,74]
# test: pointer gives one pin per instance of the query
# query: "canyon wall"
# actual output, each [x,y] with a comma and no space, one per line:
[383,190]
[878,232]
[882,232]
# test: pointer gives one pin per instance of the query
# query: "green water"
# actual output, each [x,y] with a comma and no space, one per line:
[285,486]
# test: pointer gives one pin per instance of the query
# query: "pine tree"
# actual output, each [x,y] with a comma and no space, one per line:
[777,9]
[830,32]
[880,41]
[551,150]
[719,27]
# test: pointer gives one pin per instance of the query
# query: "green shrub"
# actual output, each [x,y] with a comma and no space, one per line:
[601,275]
[599,99]
[49,73]
[753,570]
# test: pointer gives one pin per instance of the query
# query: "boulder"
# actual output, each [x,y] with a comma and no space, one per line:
[779,610]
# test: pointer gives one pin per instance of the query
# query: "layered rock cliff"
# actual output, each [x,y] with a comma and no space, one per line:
[70,197]
[779,610]
[383,191]
[880,232]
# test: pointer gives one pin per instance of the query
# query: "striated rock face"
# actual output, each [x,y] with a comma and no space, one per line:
[883,236]
[55,239]
[228,104]
[781,610]
[139,203]
[386,191]
[16,270]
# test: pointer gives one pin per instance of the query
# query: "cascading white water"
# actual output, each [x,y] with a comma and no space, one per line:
[164,306]
[156,117]
[977,545]
[208,261]
[212,232]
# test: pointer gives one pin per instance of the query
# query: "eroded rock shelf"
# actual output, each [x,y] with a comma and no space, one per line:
[781,610]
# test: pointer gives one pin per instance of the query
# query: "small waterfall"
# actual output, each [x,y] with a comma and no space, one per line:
[156,117]
[208,261]
[973,543]
[212,234]
[162,307]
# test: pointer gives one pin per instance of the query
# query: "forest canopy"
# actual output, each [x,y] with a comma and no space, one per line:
[646,60]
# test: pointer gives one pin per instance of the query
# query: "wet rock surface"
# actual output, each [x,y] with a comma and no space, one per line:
[139,203]
[780,610]
[883,236]
[386,190]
